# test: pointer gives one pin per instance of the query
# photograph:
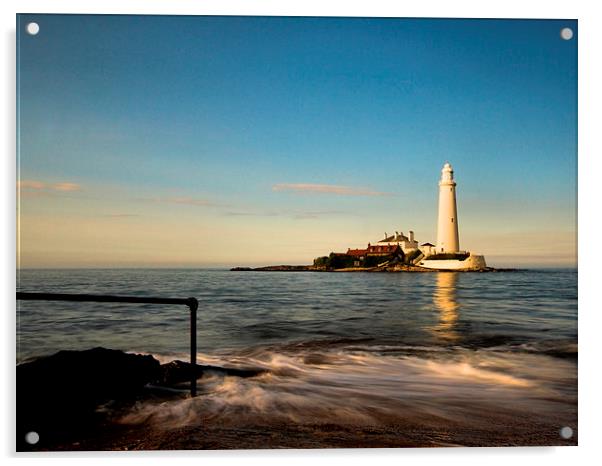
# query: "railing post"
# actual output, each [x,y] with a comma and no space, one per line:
[193,304]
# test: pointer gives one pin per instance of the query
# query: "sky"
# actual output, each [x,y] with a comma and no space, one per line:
[191,141]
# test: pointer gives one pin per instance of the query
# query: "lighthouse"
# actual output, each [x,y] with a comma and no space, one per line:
[447,254]
[447,226]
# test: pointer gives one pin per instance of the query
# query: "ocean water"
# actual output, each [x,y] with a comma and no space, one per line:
[462,349]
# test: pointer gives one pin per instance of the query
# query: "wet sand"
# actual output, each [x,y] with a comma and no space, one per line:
[503,430]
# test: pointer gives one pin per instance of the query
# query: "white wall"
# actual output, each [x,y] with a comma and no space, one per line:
[470,263]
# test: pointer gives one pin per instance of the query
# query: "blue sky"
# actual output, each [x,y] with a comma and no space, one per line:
[185,140]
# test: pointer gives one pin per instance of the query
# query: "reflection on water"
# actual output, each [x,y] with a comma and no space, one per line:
[240,310]
[445,302]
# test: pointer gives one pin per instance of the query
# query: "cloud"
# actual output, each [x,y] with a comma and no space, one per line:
[191,201]
[66,187]
[183,200]
[253,214]
[308,215]
[39,188]
[326,189]
[120,215]
[30,184]
[297,215]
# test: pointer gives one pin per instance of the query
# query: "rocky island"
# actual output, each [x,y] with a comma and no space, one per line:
[394,268]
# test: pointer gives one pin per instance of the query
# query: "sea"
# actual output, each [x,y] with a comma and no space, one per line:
[483,352]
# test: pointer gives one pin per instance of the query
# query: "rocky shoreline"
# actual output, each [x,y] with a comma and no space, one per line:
[391,269]
[71,398]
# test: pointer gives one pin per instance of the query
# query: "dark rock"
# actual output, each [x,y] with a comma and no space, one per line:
[285,268]
[59,394]
[74,393]
[278,268]
[176,372]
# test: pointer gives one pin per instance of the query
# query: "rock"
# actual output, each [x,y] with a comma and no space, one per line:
[277,268]
[284,268]
[74,393]
[59,394]
[176,372]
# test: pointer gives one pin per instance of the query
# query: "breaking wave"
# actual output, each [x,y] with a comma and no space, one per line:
[363,385]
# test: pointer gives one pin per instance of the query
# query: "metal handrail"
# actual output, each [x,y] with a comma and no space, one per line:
[192,303]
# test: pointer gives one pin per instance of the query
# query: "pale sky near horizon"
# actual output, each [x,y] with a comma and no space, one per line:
[217,141]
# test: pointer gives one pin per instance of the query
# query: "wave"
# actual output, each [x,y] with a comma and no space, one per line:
[355,384]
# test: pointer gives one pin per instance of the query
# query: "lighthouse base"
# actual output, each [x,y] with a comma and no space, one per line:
[470,262]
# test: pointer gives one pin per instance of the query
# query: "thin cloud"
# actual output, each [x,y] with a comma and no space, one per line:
[191,201]
[252,214]
[120,215]
[30,184]
[297,215]
[183,201]
[67,187]
[310,215]
[40,188]
[326,189]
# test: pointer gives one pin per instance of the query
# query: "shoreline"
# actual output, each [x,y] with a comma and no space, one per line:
[126,413]
[395,269]
[524,432]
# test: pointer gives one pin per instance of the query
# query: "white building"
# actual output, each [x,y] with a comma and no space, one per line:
[447,254]
[428,249]
[407,244]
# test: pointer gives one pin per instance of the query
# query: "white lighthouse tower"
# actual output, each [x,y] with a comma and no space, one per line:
[447,226]
[447,255]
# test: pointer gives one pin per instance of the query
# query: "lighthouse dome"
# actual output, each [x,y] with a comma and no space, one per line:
[447,173]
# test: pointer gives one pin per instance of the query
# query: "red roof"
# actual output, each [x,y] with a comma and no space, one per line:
[356,252]
[386,249]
